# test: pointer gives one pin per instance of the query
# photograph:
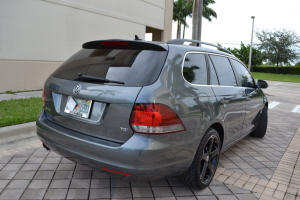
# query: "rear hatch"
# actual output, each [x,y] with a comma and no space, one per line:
[94,91]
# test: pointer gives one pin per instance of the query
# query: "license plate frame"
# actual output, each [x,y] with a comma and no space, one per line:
[81,109]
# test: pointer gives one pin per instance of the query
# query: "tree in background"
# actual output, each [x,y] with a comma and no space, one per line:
[243,54]
[197,19]
[185,8]
[187,13]
[207,11]
[201,9]
[181,10]
[279,46]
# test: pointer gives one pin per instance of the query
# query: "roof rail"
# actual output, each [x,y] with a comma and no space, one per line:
[181,41]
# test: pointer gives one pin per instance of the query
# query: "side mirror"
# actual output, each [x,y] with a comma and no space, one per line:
[262,84]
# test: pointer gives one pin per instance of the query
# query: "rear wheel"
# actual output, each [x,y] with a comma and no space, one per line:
[201,172]
[261,129]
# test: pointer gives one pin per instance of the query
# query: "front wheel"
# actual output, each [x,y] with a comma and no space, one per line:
[201,172]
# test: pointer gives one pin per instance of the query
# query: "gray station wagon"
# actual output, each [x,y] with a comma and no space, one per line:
[143,111]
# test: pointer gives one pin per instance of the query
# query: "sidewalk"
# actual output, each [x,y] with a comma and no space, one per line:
[20,95]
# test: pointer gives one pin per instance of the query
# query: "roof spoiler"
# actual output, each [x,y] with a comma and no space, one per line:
[123,44]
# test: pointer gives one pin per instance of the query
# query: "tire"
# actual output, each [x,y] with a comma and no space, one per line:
[201,172]
[261,128]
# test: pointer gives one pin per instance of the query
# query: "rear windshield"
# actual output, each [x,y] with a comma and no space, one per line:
[133,67]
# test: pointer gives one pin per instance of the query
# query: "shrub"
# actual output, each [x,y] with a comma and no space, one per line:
[281,70]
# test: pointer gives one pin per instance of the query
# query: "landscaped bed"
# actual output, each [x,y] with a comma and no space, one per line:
[18,111]
[276,77]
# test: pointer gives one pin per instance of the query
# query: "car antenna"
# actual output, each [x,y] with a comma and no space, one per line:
[136,37]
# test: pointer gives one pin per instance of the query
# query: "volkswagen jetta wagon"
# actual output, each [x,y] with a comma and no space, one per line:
[143,111]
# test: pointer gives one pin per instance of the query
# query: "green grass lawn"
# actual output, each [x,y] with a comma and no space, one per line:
[276,77]
[18,111]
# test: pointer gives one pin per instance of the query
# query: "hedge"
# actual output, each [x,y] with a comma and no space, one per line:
[281,70]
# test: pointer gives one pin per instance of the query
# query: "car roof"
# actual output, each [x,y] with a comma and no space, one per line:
[200,49]
[196,45]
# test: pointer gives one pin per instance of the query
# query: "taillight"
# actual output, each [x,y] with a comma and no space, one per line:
[155,119]
[114,43]
[44,95]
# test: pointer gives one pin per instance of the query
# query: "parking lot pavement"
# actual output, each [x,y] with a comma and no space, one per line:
[267,168]
[283,92]
[31,172]
[288,107]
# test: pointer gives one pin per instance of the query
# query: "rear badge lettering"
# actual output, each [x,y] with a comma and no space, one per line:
[123,129]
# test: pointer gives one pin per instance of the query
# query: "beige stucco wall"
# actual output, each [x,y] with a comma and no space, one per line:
[167,31]
[37,35]
[24,75]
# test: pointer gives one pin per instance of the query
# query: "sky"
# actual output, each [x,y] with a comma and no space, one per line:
[234,23]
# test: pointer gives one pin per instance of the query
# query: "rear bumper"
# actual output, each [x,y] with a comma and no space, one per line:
[145,157]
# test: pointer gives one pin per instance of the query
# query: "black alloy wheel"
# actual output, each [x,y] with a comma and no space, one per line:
[204,166]
[209,161]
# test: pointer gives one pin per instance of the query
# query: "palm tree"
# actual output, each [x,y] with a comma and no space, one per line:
[200,8]
[197,19]
[181,9]
[207,11]
[177,15]
[188,9]
[185,8]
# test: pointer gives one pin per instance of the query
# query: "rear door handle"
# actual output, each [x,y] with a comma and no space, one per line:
[224,101]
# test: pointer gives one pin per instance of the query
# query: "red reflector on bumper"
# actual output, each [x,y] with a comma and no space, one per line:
[113,171]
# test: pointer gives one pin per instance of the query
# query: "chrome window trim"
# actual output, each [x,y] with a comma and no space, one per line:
[207,53]
[229,56]
[191,52]
[253,79]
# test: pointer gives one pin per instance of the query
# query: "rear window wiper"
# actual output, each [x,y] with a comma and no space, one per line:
[96,79]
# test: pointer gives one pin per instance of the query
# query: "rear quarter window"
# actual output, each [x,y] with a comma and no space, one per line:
[194,69]
[133,67]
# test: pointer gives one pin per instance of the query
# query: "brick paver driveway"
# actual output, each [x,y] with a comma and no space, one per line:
[267,168]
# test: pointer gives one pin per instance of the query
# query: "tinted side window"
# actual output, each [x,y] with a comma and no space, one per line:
[213,75]
[243,76]
[194,69]
[224,70]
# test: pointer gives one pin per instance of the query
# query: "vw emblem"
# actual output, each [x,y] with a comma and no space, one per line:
[77,89]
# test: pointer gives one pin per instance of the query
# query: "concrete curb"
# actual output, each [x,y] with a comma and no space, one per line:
[20,95]
[17,132]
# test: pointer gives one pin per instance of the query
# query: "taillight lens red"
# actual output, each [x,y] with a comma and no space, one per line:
[155,119]
[43,95]
[114,43]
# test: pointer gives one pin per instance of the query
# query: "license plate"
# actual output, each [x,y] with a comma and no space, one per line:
[78,107]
